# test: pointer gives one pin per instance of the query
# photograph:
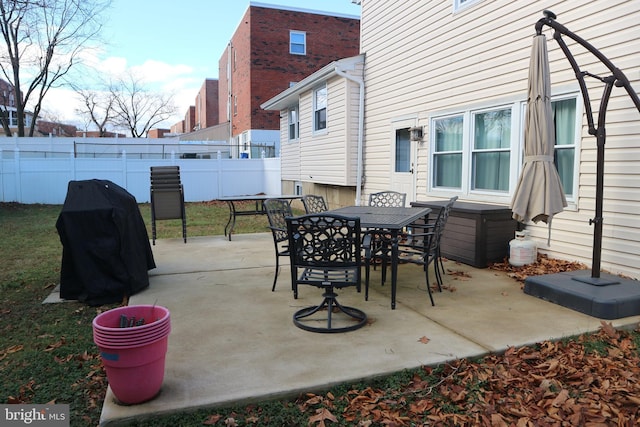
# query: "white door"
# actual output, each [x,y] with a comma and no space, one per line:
[403,162]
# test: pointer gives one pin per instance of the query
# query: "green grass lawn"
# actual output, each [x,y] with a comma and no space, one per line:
[47,352]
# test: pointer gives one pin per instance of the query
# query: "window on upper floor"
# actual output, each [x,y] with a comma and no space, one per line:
[462,4]
[320,108]
[479,152]
[297,42]
[294,123]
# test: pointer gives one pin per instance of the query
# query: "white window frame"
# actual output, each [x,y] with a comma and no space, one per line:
[296,124]
[292,42]
[459,5]
[516,150]
[572,199]
[317,108]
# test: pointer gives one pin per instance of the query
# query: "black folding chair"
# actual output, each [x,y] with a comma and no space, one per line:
[167,197]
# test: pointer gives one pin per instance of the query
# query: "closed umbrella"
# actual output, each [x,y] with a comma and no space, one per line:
[539,194]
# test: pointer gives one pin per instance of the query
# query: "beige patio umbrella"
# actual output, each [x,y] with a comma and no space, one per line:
[539,194]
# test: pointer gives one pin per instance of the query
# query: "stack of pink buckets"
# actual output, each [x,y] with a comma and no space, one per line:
[133,344]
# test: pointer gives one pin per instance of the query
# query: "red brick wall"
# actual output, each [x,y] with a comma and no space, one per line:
[264,67]
[206,108]
[190,119]
[178,128]
[157,133]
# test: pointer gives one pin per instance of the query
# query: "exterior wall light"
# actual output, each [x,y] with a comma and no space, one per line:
[415,133]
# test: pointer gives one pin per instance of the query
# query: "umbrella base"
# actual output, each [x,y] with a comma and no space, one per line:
[607,297]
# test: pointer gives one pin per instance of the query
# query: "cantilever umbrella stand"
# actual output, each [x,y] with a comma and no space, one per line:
[608,297]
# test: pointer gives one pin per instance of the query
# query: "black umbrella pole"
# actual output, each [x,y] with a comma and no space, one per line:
[601,137]
[597,221]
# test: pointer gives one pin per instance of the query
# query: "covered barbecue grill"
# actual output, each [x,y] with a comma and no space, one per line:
[106,252]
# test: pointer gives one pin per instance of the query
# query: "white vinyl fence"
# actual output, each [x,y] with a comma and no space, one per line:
[25,179]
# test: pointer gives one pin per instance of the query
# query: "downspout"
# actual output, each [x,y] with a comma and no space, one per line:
[359,172]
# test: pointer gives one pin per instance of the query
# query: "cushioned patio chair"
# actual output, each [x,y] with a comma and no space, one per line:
[314,204]
[325,251]
[167,197]
[277,211]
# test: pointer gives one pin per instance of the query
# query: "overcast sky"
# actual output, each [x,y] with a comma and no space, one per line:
[174,45]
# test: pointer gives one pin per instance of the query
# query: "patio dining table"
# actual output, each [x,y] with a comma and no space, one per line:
[390,219]
[258,207]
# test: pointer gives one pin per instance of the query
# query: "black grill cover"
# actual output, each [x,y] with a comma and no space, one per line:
[106,252]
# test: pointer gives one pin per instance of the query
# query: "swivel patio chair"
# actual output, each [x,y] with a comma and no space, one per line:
[325,251]
[392,199]
[167,197]
[314,204]
[277,211]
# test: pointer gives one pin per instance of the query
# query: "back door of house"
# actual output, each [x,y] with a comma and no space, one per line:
[403,159]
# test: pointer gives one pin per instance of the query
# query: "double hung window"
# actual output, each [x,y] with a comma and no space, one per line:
[320,108]
[294,123]
[479,151]
[297,42]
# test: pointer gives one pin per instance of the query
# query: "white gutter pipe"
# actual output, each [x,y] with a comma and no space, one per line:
[360,81]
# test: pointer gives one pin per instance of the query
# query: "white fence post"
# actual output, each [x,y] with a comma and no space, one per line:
[124,168]
[219,166]
[72,165]
[18,177]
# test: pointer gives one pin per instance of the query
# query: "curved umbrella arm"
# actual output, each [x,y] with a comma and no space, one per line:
[620,79]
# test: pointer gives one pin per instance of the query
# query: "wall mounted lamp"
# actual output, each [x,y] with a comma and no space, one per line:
[415,133]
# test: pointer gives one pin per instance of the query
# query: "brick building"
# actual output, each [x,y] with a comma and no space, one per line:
[8,109]
[206,108]
[272,48]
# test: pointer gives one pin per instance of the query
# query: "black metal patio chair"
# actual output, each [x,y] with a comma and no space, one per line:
[388,199]
[314,204]
[419,245]
[277,211]
[325,251]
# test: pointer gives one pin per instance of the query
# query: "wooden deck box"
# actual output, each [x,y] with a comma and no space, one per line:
[476,234]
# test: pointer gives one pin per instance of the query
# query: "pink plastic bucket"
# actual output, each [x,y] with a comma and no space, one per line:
[130,342]
[155,317]
[133,357]
[135,375]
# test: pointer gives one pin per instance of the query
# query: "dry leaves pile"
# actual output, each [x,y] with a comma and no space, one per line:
[591,381]
[543,265]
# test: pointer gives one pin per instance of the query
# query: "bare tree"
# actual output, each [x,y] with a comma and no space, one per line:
[138,109]
[97,109]
[42,41]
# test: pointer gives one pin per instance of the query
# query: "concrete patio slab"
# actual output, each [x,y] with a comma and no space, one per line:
[233,340]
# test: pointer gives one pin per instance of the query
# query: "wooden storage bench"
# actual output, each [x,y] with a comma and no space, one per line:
[477,234]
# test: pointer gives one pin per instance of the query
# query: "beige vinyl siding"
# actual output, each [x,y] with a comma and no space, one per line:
[329,156]
[289,151]
[422,59]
